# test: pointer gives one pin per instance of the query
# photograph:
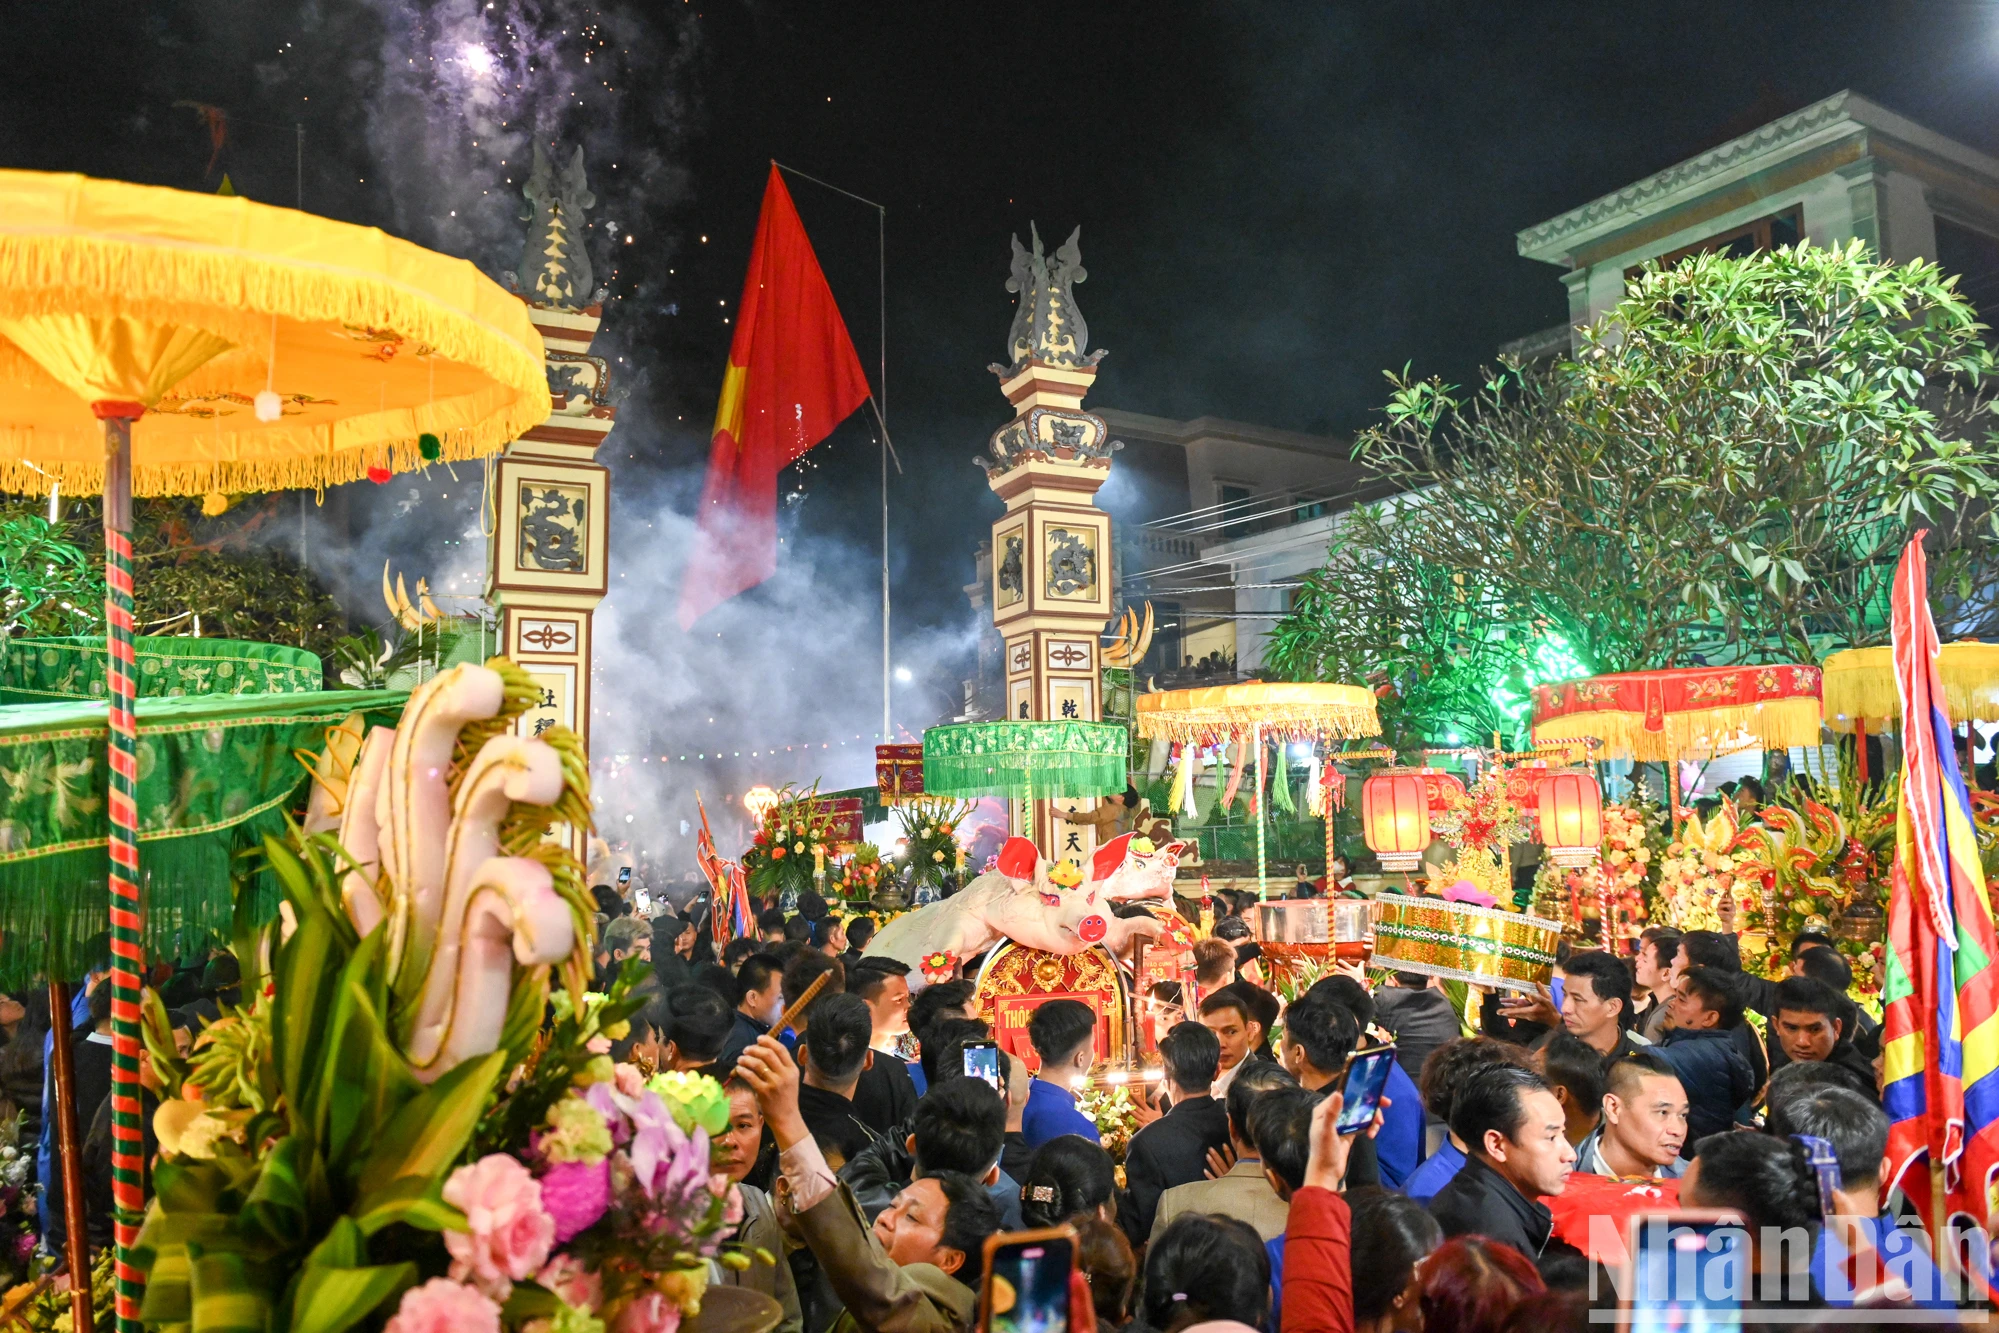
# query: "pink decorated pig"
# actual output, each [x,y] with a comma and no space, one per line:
[1017,900]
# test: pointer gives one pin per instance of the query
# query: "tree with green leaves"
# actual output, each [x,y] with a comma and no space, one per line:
[221,569]
[1725,471]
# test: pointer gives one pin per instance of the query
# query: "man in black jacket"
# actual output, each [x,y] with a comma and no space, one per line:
[1808,1023]
[1513,1127]
[1420,1018]
[1712,949]
[760,981]
[834,1051]
[1173,1150]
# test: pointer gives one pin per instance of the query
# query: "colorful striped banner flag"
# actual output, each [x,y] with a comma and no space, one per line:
[1940,1036]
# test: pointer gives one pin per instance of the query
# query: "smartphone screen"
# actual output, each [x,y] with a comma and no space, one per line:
[625,875]
[1027,1284]
[982,1061]
[1684,1275]
[1555,990]
[1367,1076]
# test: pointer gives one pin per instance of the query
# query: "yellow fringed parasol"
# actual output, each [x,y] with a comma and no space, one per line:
[1860,685]
[191,305]
[1292,710]
[156,342]
[1254,710]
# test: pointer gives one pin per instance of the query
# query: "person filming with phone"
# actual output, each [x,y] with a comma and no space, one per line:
[1319,1038]
[917,1269]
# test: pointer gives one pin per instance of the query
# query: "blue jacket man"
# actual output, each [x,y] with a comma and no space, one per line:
[1063,1033]
[1705,1009]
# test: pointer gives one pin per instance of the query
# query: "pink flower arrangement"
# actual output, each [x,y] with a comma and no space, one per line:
[617,1169]
[508,1232]
[443,1306]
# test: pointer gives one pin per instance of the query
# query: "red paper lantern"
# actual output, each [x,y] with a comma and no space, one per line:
[1571,817]
[1395,818]
[1441,788]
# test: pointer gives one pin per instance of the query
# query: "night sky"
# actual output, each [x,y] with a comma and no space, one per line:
[1277,202]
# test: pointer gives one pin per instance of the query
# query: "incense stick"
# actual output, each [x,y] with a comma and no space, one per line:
[790,1016]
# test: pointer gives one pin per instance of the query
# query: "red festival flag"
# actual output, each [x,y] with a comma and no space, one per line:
[1940,1030]
[793,376]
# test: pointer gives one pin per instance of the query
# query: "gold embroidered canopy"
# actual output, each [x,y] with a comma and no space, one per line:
[1684,712]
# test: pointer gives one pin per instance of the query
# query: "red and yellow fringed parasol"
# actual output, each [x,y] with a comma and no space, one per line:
[1684,712]
[1860,685]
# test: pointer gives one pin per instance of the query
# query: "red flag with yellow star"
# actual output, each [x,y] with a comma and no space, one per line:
[793,376]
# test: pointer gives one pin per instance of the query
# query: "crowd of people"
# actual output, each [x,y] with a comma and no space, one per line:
[1668,1080]
[875,1167]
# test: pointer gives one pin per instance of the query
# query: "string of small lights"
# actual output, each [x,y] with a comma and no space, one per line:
[617,761]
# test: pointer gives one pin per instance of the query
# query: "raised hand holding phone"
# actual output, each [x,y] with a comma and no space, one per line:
[1032,1284]
[1326,1167]
[981,1061]
[1366,1077]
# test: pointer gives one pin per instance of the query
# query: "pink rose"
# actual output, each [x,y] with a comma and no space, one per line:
[649,1312]
[575,1195]
[572,1283]
[508,1232]
[629,1082]
[443,1306]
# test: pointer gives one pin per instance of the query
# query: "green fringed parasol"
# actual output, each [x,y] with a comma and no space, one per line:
[1025,760]
[215,774]
[34,671]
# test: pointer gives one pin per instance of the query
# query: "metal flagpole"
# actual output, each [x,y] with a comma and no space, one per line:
[881,415]
[880,401]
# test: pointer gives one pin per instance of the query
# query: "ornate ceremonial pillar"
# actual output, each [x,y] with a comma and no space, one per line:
[546,562]
[1051,561]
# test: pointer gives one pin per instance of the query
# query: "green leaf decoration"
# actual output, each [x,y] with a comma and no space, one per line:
[332,1300]
[427,1135]
[228,1293]
[308,975]
[336,1289]
[368,1080]
[412,1201]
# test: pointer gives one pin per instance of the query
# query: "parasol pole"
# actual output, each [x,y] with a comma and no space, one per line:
[1673,796]
[1326,794]
[127,1182]
[69,1159]
[1262,866]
